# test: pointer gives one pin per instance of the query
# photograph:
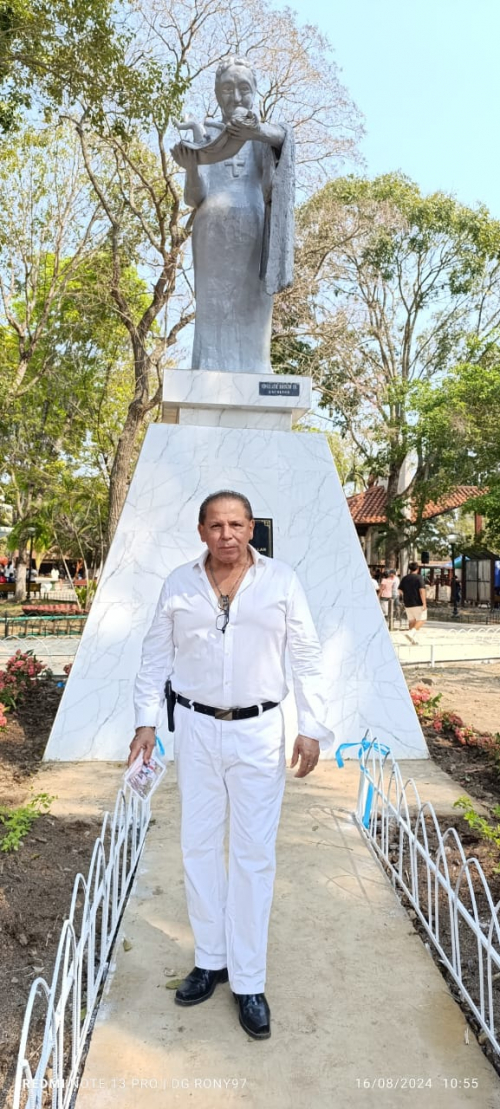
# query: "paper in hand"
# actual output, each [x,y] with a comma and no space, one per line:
[143,777]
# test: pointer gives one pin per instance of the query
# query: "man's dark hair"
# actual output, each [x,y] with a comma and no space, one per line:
[224,495]
[412,567]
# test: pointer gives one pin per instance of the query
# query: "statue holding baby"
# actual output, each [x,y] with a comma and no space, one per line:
[240,180]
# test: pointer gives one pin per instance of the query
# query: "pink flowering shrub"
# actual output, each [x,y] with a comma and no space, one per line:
[425,703]
[3,718]
[451,724]
[22,673]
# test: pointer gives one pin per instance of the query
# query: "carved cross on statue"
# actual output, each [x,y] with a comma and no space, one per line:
[234,164]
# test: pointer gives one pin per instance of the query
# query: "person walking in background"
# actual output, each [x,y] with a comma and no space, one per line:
[395,580]
[385,592]
[412,590]
[394,576]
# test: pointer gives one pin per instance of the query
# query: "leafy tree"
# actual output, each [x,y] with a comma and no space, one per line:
[461,427]
[52,52]
[393,288]
[48,228]
[83,60]
[347,462]
[67,371]
[434,534]
[73,516]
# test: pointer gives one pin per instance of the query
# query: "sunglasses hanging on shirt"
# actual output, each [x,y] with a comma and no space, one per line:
[222,619]
[224,599]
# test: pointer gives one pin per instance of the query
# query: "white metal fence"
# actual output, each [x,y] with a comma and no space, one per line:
[452,901]
[58,1015]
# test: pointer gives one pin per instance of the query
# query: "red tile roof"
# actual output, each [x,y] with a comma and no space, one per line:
[369,507]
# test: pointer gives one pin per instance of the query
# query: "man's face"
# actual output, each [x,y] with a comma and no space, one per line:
[226,531]
[234,89]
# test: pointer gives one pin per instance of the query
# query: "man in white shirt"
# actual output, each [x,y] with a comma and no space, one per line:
[219,633]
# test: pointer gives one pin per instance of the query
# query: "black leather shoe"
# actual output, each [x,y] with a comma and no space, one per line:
[255,1014]
[199,985]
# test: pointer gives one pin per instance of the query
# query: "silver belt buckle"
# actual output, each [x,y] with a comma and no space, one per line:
[223,714]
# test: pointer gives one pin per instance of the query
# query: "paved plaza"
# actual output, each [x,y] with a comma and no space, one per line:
[54,651]
[437,643]
[449,642]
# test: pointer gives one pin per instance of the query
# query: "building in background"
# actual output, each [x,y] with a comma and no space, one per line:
[368,511]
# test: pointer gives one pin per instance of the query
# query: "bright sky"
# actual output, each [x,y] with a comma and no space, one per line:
[426,75]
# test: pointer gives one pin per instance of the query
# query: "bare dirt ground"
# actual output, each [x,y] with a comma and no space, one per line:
[471,690]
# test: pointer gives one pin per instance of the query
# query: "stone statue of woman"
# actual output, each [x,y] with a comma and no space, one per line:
[241,183]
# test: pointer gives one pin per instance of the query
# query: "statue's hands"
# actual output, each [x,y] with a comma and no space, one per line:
[244,125]
[185,158]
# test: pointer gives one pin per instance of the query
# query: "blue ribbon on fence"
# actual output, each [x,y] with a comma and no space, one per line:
[363,746]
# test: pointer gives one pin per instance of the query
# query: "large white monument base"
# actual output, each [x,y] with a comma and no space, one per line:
[242,441]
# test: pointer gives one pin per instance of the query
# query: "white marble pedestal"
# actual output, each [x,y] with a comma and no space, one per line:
[233,431]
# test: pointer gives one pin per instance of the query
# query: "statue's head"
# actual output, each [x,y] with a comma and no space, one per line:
[235,85]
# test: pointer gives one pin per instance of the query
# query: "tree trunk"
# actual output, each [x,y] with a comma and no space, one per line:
[395,532]
[21,569]
[120,472]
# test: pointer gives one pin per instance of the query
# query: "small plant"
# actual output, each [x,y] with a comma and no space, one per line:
[18,822]
[425,704]
[86,594]
[478,823]
[22,671]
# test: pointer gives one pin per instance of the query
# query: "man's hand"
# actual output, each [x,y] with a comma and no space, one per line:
[308,749]
[144,740]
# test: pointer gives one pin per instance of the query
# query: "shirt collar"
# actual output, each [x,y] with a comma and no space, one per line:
[257,558]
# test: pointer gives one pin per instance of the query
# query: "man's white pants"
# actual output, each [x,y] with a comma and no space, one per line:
[240,764]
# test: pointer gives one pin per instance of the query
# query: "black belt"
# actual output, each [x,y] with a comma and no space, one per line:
[226,714]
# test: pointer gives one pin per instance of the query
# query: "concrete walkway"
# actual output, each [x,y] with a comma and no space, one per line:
[355,997]
[55,651]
